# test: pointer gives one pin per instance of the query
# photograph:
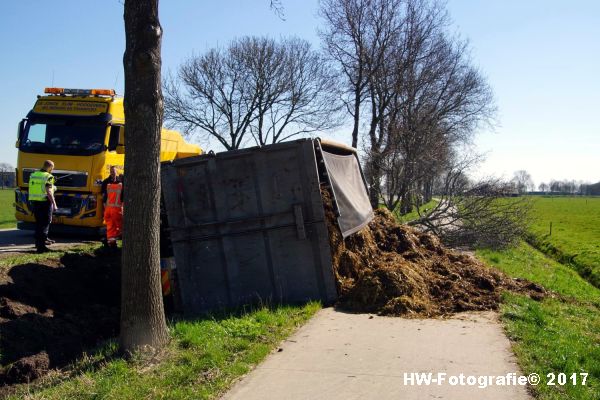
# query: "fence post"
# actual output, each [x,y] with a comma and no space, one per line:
[550,228]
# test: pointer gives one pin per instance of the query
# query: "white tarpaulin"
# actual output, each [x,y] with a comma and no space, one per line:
[350,192]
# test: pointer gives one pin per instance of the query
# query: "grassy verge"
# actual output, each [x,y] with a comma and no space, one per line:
[414,214]
[203,359]
[575,238]
[556,335]
[7,210]
[12,260]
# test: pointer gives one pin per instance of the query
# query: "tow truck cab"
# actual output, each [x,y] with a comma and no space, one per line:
[83,132]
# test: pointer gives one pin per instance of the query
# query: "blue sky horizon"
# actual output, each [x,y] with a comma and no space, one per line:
[541,58]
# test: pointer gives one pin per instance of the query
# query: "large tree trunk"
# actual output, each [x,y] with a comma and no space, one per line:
[374,172]
[374,190]
[356,115]
[428,189]
[405,198]
[142,314]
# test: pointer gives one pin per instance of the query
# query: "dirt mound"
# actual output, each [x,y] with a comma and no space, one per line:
[28,368]
[393,269]
[53,311]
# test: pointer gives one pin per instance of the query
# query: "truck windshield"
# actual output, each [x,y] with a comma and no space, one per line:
[63,137]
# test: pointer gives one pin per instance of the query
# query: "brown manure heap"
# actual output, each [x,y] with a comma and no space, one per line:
[53,311]
[392,269]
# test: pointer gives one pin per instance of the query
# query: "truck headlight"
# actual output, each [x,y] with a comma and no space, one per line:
[92,203]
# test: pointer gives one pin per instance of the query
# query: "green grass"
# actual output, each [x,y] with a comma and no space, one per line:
[560,333]
[411,216]
[575,238]
[9,261]
[7,209]
[526,262]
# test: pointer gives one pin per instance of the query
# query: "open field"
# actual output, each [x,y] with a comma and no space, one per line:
[575,238]
[560,334]
[7,210]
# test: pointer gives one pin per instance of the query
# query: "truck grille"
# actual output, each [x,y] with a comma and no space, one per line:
[68,205]
[62,178]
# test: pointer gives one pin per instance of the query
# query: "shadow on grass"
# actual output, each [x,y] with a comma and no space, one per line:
[225,313]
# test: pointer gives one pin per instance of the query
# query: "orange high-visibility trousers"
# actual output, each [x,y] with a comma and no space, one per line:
[113,216]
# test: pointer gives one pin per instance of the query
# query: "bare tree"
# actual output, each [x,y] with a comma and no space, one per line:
[295,97]
[5,169]
[257,89]
[567,186]
[346,40]
[214,99]
[573,186]
[475,214]
[142,314]
[543,187]
[409,176]
[363,37]
[411,84]
[523,181]
[442,99]
[277,8]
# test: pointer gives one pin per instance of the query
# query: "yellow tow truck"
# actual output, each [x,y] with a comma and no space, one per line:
[83,132]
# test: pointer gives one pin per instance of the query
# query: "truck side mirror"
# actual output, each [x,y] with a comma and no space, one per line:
[121,145]
[20,130]
[113,138]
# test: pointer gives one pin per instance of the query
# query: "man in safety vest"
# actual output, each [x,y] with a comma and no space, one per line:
[112,196]
[41,198]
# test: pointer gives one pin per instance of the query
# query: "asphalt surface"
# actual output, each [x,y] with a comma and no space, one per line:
[18,241]
[358,356]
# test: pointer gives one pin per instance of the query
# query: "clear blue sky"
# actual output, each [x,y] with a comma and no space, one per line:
[542,59]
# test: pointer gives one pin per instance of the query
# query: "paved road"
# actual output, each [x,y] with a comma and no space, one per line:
[357,356]
[17,241]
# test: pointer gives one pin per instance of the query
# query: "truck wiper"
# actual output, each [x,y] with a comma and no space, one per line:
[63,177]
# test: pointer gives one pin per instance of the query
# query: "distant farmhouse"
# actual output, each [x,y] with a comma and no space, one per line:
[592,190]
[7,179]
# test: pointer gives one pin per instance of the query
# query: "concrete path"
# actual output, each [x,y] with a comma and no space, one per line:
[359,356]
[18,241]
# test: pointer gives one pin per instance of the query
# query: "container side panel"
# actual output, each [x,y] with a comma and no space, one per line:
[294,261]
[204,286]
[248,226]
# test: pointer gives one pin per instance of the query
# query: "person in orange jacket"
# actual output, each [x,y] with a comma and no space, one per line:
[112,197]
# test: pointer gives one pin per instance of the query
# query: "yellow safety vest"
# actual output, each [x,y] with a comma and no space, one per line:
[37,185]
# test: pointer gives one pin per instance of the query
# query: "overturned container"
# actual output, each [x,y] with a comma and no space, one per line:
[248,226]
